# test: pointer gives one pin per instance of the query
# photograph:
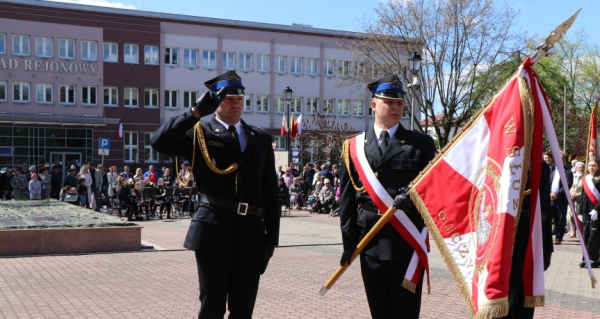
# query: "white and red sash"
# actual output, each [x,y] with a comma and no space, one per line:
[590,189]
[380,197]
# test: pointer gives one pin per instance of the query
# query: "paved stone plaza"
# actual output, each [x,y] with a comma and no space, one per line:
[162,283]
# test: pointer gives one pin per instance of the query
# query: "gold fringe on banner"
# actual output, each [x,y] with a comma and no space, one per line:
[493,308]
[534,301]
[409,285]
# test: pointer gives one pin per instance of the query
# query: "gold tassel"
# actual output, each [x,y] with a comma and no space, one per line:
[409,285]
[493,308]
[534,301]
[346,156]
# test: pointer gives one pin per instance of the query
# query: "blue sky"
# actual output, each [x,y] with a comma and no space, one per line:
[537,17]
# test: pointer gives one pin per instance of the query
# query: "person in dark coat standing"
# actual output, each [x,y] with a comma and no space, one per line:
[235,227]
[5,185]
[397,155]
[588,215]
[308,174]
[56,180]
[558,197]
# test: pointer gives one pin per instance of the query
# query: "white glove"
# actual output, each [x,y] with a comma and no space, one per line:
[594,215]
[580,217]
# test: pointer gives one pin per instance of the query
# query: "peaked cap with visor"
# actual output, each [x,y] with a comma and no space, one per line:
[228,80]
[388,87]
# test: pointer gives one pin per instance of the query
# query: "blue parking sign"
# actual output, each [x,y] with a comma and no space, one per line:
[104,143]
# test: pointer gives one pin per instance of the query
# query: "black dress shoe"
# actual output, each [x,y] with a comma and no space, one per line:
[582,264]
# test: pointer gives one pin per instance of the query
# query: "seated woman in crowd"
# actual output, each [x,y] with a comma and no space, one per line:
[314,197]
[139,176]
[161,198]
[125,196]
[284,193]
[296,193]
[326,197]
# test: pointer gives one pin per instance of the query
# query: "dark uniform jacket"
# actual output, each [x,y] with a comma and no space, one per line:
[215,231]
[406,155]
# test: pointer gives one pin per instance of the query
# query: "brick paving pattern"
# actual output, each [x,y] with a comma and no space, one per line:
[162,283]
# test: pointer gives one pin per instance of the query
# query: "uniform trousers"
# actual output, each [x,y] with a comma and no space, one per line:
[385,294]
[230,282]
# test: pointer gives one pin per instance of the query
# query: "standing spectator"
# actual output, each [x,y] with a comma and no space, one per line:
[325,172]
[85,174]
[112,179]
[104,190]
[558,197]
[19,184]
[56,181]
[293,170]
[168,178]
[46,182]
[139,176]
[126,173]
[184,167]
[288,178]
[316,177]
[25,170]
[152,174]
[336,178]
[307,176]
[71,179]
[32,170]
[5,184]
[188,178]
[280,172]
[575,191]
[96,187]
[35,187]
[588,214]
[83,189]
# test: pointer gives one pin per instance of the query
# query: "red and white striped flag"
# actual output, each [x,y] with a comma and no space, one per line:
[120,130]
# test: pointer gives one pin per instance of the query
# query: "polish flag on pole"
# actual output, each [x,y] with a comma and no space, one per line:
[297,126]
[120,130]
[284,126]
[593,135]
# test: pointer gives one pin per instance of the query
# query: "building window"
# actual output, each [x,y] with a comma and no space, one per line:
[89,50]
[151,98]
[228,62]
[111,52]
[67,94]
[43,47]
[111,95]
[295,143]
[262,103]
[131,97]
[279,142]
[296,105]
[132,53]
[370,111]
[190,57]
[189,97]
[2,43]
[328,67]
[3,91]
[296,65]
[279,106]
[280,63]
[359,68]
[20,44]
[209,59]
[150,54]
[343,107]
[358,108]
[312,105]
[130,142]
[327,106]
[248,103]
[150,154]
[262,62]
[245,61]
[313,66]
[66,48]
[343,67]
[88,95]
[21,91]
[43,92]
[170,98]
[171,56]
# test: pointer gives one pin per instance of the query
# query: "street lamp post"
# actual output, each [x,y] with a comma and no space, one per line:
[287,96]
[414,65]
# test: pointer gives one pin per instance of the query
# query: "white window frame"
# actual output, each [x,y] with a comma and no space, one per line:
[113,94]
[67,44]
[66,89]
[359,68]
[131,53]
[171,99]
[248,103]
[312,105]
[151,54]
[2,43]
[169,53]
[46,47]
[296,105]
[262,62]
[280,63]
[91,47]
[42,88]
[21,98]
[295,143]
[343,107]
[344,67]
[190,58]
[92,95]
[112,56]
[262,103]
[148,150]
[151,98]
[228,60]
[312,66]
[3,84]
[296,65]
[328,67]
[189,97]
[209,59]
[358,105]
[279,142]
[131,94]
[245,62]
[330,102]
[279,104]
[24,46]
[130,149]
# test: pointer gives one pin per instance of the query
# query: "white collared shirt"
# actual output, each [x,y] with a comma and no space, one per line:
[391,131]
[240,130]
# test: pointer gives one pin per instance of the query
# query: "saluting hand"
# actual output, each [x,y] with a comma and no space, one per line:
[208,103]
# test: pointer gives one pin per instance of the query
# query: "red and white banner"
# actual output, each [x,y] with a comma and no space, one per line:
[593,135]
[120,130]
[590,189]
[296,126]
[284,126]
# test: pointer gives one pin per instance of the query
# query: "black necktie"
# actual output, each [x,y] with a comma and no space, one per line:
[234,133]
[384,141]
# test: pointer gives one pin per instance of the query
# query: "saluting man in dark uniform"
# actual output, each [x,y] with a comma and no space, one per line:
[396,156]
[235,228]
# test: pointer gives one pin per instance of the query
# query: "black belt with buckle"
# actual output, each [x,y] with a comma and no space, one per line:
[370,208]
[239,207]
